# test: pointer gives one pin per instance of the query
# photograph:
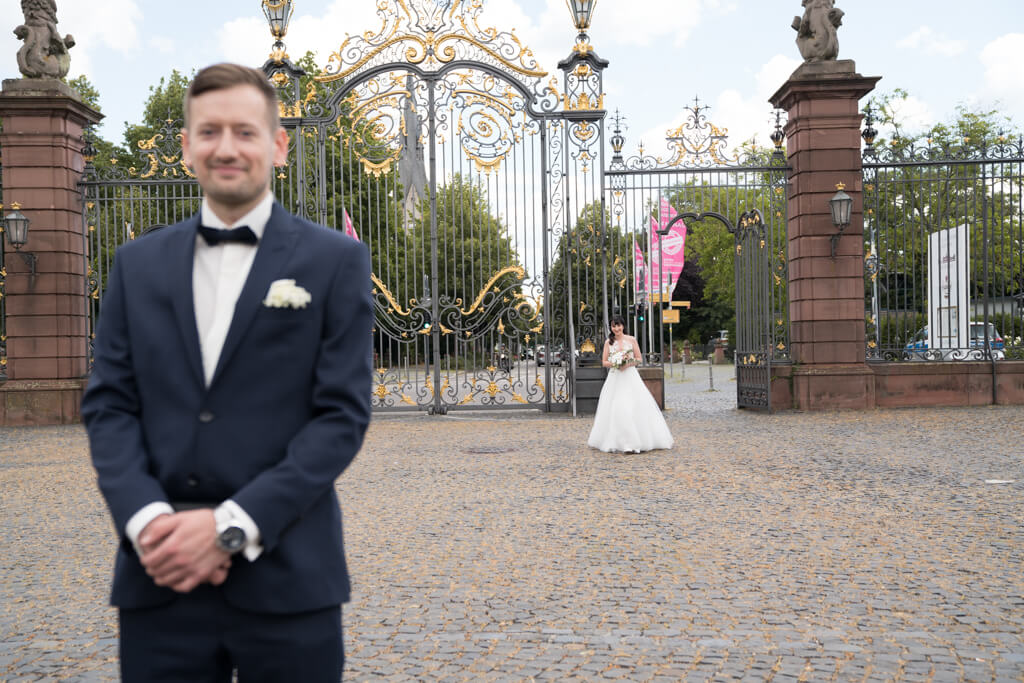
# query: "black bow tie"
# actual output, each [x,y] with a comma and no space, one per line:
[214,236]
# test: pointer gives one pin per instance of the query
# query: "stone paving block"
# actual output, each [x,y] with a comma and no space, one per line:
[857,543]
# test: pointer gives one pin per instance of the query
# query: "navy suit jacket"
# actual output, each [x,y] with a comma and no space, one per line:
[284,415]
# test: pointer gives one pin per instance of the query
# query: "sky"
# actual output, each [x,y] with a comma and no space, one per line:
[730,54]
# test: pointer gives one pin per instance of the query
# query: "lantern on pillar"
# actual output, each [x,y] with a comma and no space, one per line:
[581,12]
[840,205]
[278,15]
[16,226]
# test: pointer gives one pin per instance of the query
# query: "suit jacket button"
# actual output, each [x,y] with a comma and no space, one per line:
[192,481]
[206,416]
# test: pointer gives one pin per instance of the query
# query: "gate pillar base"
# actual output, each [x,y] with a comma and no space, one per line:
[40,402]
[833,387]
[654,378]
[589,381]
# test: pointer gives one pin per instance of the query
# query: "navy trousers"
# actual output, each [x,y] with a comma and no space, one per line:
[200,638]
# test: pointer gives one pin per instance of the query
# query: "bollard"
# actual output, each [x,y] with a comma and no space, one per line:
[711,377]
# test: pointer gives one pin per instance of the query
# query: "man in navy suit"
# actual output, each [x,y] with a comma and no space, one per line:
[230,389]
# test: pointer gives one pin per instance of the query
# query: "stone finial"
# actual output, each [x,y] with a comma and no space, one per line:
[816,35]
[45,53]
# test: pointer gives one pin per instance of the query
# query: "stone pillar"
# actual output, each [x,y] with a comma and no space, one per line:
[47,329]
[826,293]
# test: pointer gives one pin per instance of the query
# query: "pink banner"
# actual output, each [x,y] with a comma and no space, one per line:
[349,228]
[667,251]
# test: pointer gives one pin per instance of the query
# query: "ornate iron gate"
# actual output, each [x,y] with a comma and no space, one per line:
[729,201]
[756,345]
[455,158]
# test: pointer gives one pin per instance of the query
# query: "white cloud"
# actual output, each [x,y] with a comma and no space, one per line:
[932,43]
[645,22]
[162,44]
[114,24]
[913,114]
[1003,78]
[247,40]
[745,116]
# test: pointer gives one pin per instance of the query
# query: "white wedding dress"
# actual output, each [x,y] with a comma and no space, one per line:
[628,417]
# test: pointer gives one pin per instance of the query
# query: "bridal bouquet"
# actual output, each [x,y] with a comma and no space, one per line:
[620,359]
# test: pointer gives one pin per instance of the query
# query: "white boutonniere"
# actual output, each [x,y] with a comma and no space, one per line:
[286,294]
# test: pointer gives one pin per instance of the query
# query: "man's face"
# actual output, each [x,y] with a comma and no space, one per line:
[230,146]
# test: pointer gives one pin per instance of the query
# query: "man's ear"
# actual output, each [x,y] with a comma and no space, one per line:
[281,147]
[185,154]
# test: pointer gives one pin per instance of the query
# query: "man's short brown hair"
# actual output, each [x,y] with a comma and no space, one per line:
[223,76]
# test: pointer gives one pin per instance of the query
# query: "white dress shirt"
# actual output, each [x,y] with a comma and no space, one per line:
[218,275]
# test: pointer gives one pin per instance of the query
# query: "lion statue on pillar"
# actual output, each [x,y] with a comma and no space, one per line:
[816,34]
[45,53]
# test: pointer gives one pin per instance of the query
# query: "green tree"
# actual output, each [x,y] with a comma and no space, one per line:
[593,261]
[86,90]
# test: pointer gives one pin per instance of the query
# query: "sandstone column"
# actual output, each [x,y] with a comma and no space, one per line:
[826,293]
[47,329]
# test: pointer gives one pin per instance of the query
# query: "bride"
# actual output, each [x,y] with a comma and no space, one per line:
[628,418]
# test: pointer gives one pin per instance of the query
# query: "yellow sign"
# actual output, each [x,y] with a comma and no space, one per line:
[670,315]
[659,298]
[680,304]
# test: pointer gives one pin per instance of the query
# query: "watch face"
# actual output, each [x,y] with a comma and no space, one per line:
[231,539]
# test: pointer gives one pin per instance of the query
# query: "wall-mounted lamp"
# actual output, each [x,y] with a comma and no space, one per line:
[16,227]
[841,204]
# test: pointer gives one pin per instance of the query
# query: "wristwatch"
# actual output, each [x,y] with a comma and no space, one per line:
[230,537]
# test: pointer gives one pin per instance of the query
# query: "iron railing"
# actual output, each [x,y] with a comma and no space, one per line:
[712,188]
[944,251]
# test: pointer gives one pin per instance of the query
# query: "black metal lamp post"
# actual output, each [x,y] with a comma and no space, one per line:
[840,205]
[16,226]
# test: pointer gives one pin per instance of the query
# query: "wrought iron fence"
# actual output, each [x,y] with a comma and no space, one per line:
[712,188]
[122,204]
[460,170]
[944,250]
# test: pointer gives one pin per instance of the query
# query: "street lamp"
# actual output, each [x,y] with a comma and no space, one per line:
[16,226]
[840,205]
[278,15]
[581,12]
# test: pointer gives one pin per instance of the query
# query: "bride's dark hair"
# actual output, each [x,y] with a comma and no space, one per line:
[616,320]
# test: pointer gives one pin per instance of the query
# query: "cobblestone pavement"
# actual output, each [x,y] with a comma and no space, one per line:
[798,546]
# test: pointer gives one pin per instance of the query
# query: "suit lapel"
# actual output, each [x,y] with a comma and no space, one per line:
[271,257]
[180,263]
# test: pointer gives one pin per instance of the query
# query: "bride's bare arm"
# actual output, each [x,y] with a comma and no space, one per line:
[638,359]
[604,355]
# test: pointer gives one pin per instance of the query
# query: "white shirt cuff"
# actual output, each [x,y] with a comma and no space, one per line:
[234,512]
[141,519]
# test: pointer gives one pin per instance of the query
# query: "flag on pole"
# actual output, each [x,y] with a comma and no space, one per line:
[349,228]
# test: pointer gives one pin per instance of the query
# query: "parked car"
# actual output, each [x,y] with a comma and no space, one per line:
[547,356]
[917,348]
